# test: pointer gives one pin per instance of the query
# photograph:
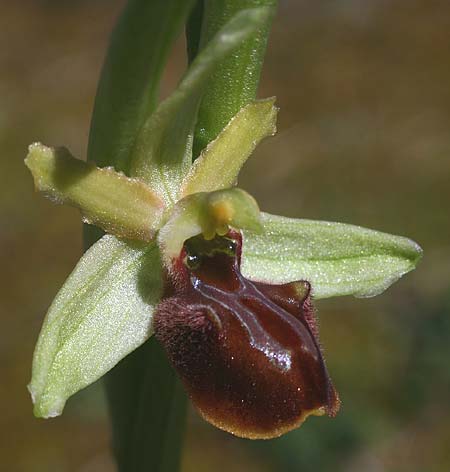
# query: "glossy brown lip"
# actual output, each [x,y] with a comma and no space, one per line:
[247,352]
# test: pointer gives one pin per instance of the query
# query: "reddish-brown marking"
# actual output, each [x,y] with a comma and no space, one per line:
[247,352]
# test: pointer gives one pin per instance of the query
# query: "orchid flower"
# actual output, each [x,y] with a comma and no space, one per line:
[226,289]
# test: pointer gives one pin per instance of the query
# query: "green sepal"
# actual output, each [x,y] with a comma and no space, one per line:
[336,258]
[101,314]
[162,154]
[219,164]
[119,205]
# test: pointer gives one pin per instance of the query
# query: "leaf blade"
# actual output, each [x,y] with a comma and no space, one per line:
[336,258]
[86,332]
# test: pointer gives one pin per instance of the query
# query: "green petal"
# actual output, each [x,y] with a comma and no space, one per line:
[101,314]
[122,206]
[219,164]
[163,152]
[336,258]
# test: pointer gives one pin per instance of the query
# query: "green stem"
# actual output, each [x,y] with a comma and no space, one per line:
[236,82]
[194,30]
[147,405]
[146,402]
[148,409]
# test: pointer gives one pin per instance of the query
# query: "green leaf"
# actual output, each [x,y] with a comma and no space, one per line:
[101,314]
[235,82]
[219,164]
[122,206]
[163,152]
[128,87]
[336,258]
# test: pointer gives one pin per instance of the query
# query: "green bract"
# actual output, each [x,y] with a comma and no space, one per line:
[128,88]
[162,154]
[104,310]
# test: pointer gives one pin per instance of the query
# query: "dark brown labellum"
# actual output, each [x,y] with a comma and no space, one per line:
[247,352]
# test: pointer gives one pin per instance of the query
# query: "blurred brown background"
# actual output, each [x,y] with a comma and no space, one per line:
[364,137]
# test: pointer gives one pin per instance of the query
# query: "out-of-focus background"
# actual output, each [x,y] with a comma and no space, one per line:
[364,138]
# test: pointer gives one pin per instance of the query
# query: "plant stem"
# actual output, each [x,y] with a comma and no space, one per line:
[147,405]
[235,84]
[148,409]
[194,30]
[146,402]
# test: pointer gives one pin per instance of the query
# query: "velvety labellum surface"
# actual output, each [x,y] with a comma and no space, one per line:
[247,352]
